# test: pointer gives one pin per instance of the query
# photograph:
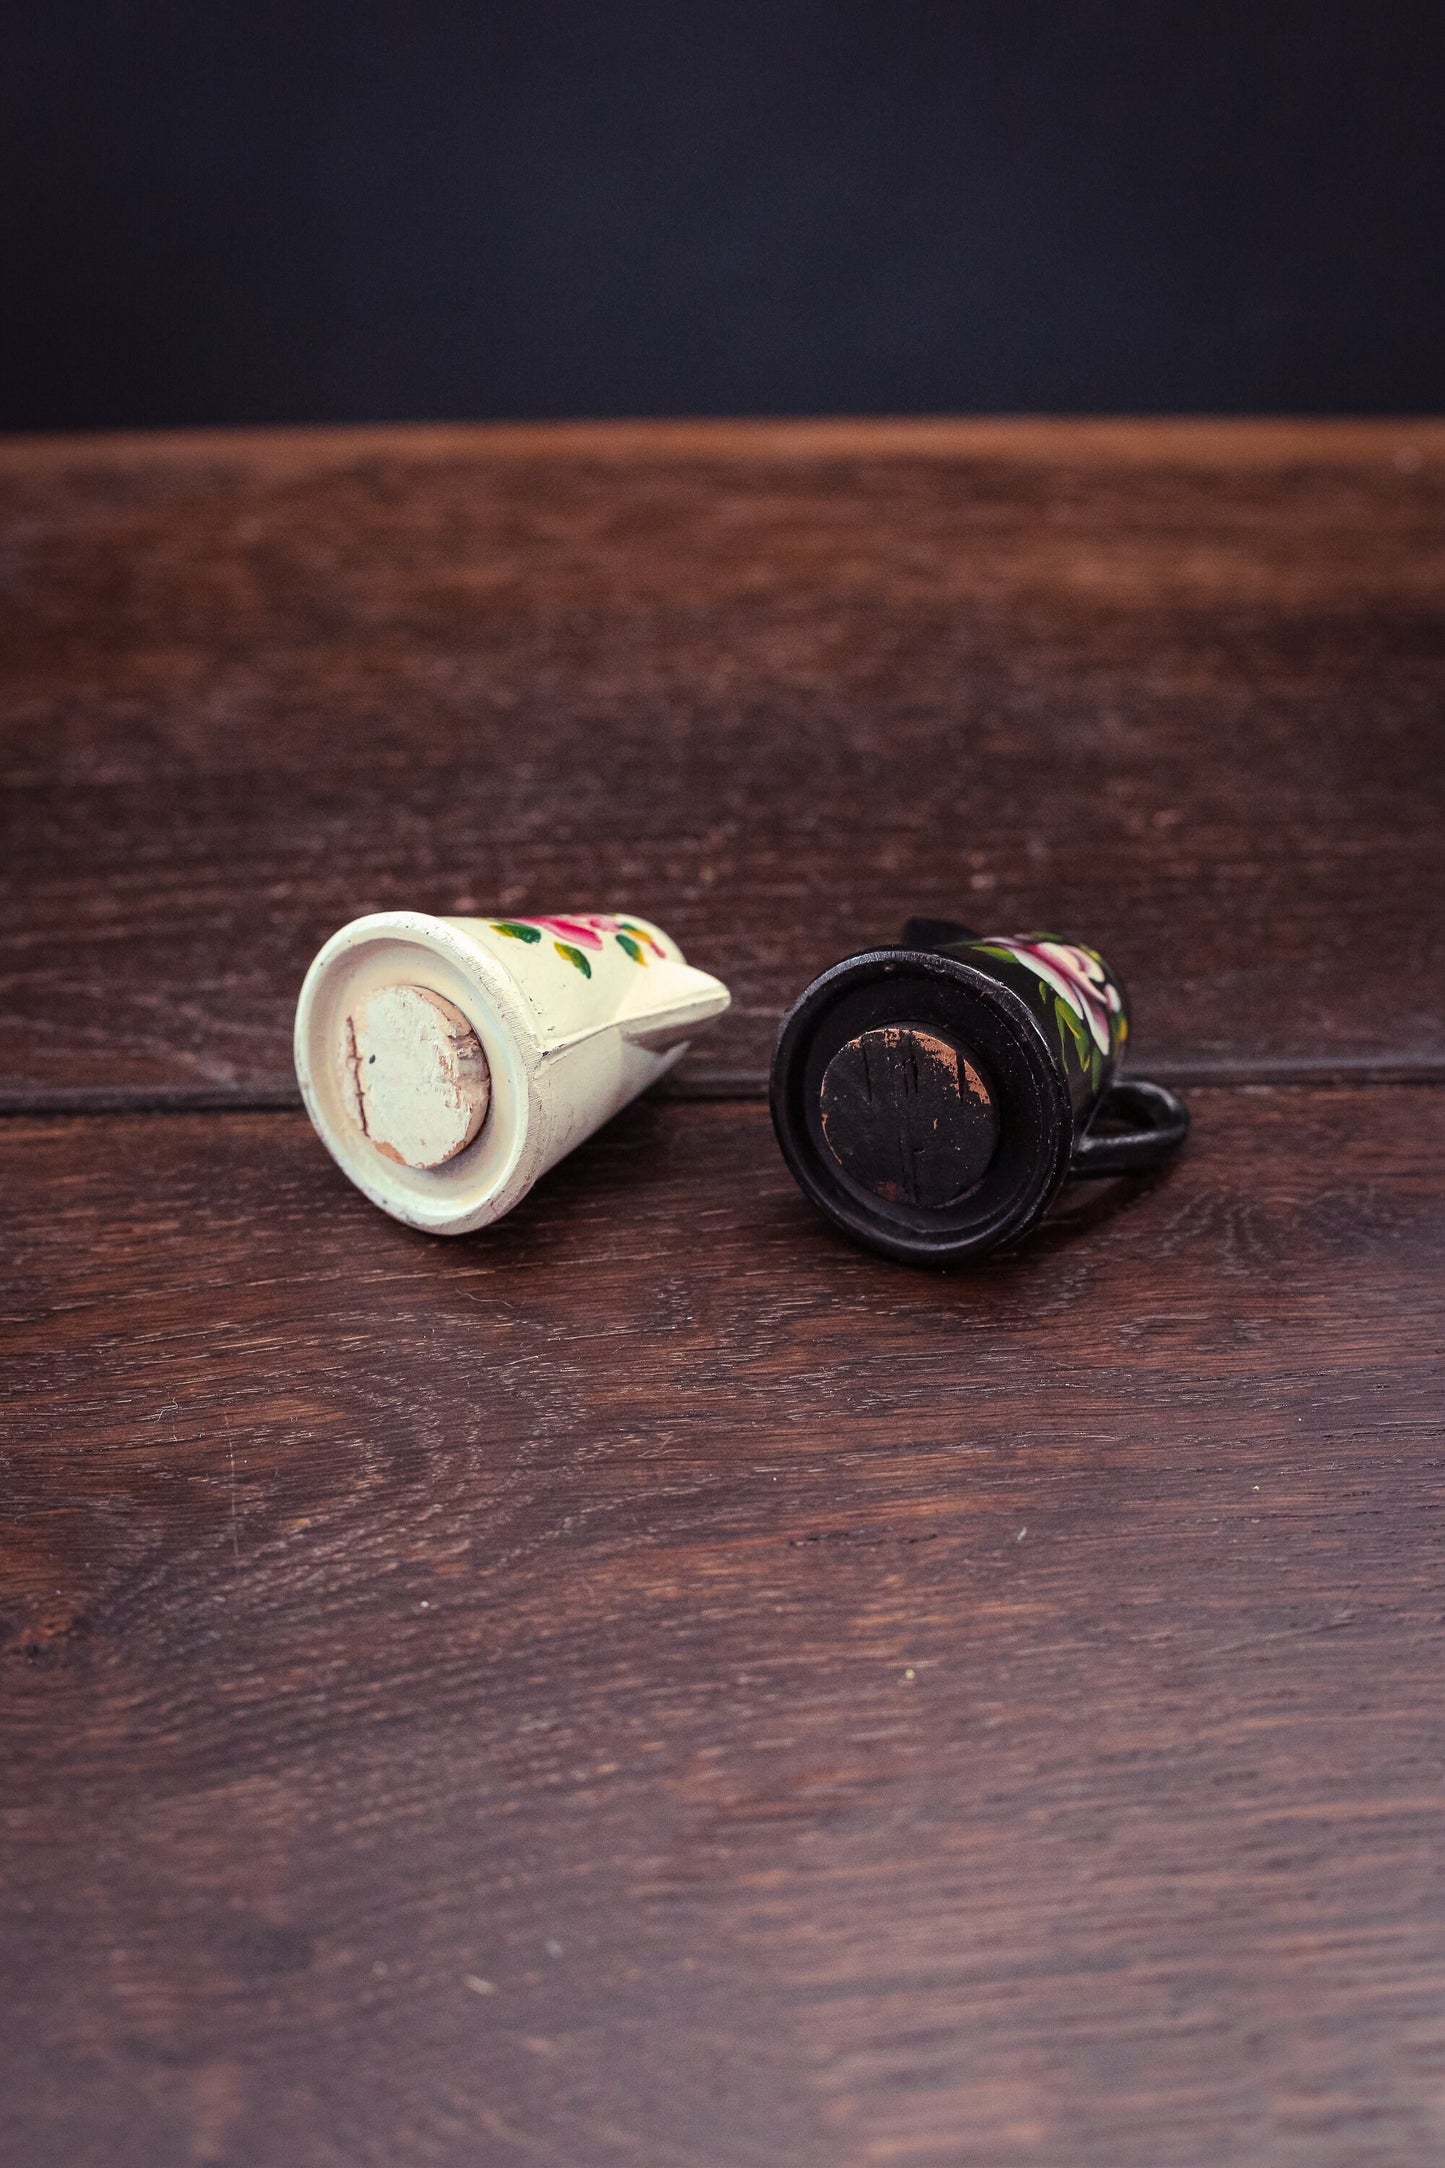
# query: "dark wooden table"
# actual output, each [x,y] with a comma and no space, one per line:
[651,1683]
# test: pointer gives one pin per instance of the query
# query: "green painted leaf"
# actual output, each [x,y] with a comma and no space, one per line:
[625,941]
[573,956]
[1078,1031]
[516,929]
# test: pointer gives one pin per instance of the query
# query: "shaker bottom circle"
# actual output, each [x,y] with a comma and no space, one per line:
[917,1105]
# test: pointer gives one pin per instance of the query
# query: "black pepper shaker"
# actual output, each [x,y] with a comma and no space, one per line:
[933,1097]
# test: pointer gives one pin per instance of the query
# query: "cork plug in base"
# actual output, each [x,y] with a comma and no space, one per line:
[418,1086]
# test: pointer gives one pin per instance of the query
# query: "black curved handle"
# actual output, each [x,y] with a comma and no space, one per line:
[1161,1123]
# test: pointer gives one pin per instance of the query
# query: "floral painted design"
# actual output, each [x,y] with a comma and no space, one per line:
[577,932]
[1088,1007]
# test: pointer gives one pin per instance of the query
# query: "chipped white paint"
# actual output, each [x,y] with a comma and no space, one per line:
[561,1049]
[419,1079]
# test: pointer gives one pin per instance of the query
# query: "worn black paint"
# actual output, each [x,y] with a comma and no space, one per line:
[906,1113]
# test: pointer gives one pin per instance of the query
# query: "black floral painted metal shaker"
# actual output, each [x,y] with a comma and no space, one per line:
[933,1097]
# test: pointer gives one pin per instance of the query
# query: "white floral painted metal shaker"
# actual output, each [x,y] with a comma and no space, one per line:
[446,1063]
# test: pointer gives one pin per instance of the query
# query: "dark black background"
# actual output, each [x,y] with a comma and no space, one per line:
[346,209]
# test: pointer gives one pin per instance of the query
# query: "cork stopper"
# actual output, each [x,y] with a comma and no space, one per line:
[417,1082]
[907,1114]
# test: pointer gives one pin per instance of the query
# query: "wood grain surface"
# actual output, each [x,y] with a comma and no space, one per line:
[1176,687]
[546,1697]
[651,1683]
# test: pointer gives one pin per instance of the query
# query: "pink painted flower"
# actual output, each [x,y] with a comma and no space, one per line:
[1076,974]
[585,929]
[575,931]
